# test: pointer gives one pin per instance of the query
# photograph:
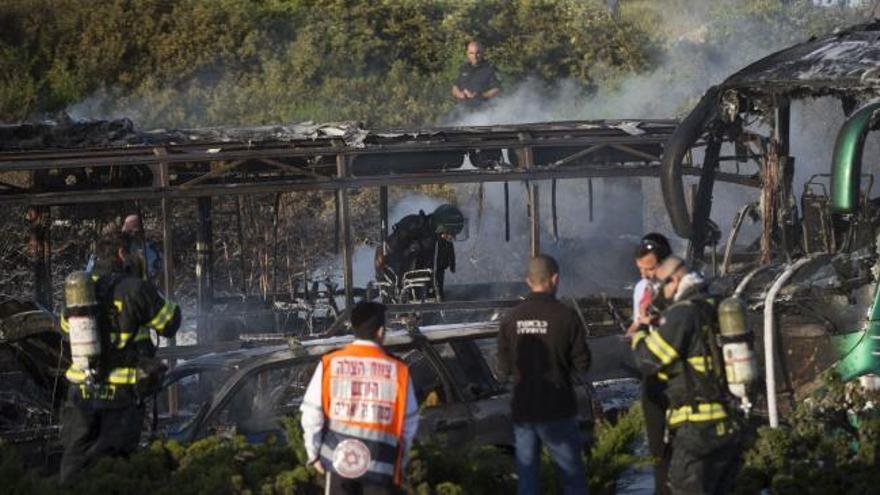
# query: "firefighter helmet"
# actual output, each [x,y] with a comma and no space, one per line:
[447,219]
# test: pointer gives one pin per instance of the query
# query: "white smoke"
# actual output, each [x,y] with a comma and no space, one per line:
[690,65]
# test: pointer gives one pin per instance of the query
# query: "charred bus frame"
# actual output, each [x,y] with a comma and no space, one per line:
[204,163]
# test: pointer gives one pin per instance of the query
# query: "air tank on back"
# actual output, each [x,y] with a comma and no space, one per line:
[740,367]
[81,308]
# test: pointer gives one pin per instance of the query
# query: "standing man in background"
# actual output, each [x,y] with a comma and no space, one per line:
[652,250]
[542,344]
[146,255]
[359,413]
[476,83]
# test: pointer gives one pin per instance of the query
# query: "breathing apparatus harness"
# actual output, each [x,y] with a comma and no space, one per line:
[723,338]
[92,317]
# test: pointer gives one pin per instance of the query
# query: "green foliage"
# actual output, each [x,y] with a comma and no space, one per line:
[612,452]
[488,469]
[828,445]
[19,481]
[236,61]
[387,62]
[222,464]
[473,470]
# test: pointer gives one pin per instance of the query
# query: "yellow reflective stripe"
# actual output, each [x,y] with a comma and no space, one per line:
[119,376]
[120,339]
[662,376]
[660,348]
[701,364]
[65,325]
[75,375]
[123,376]
[163,317]
[638,337]
[118,304]
[705,412]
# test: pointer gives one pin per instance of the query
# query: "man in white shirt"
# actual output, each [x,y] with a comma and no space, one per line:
[359,413]
[652,250]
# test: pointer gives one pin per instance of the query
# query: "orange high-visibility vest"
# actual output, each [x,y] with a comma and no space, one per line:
[364,401]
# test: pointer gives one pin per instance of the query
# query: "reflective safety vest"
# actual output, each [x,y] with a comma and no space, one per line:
[364,402]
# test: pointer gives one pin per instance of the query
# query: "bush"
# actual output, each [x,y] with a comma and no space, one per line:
[224,464]
[237,61]
[827,445]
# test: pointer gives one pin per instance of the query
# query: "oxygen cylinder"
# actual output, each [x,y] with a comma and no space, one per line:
[740,367]
[81,308]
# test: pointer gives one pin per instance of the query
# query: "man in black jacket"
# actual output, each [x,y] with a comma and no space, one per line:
[703,437]
[542,344]
[476,83]
[104,412]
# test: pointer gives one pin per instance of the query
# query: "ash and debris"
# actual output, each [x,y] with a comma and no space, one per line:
[838,62]
[66,133]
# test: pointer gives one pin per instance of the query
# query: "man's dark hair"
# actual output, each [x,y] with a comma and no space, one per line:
[367,318]
[656,244]
[541,268]
[109,244]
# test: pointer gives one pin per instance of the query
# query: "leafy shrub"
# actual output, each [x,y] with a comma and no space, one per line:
[827,445]
[230,465]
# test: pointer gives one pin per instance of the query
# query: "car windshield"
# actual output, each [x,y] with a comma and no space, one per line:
[469,368]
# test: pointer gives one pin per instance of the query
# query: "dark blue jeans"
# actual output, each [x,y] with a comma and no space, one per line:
[563,440]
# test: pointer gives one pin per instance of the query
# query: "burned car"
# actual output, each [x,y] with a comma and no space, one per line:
[33,357]
[452,367]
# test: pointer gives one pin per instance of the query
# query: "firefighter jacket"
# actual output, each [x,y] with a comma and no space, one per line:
[359,414]
[129,308]
[413,245]
[682,352]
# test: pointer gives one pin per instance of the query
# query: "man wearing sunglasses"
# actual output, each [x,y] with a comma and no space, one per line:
[703,445]
[653,249]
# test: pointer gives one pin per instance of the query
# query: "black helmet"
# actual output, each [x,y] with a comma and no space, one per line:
[447,219]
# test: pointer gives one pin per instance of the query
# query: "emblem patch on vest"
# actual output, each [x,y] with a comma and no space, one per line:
[351,458]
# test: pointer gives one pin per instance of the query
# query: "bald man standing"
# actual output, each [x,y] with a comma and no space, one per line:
[542,344]
[476,83]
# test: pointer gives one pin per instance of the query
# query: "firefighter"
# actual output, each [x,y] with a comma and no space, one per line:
[359,412]
[108,316]
[420,242]
[702,437]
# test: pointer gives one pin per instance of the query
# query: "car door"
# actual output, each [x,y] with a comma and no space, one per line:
[442,411]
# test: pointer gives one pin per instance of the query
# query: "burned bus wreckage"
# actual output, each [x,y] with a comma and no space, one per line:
[105,168]
[810,278]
